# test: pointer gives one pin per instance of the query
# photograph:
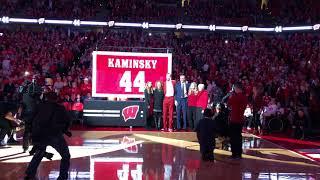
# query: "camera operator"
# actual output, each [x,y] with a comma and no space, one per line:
[30,98]
[237,103]
[8,123]
[49,123]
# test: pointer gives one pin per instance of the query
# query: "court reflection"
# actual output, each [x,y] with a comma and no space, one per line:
[158,156]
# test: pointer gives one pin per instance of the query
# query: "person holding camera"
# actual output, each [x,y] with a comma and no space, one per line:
[49,123]
[237,103]
[31,93]
[8,123]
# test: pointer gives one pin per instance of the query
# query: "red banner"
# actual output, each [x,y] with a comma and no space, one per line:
[124,74]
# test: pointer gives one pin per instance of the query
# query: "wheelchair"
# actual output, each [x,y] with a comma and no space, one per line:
[274,123]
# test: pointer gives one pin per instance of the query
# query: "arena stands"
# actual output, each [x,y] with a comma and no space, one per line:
[234,12]
[281,65]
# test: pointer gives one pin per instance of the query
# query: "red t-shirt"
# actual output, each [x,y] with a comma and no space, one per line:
[85,89]
[77,106]
[75,91]
[65,91]
[67,105]
[238,104]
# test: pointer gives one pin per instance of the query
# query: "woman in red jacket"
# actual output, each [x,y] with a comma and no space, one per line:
[192,103]
[202,103]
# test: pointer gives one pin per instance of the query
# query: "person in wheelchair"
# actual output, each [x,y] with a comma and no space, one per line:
[8,125]
[298,124]
[268,113]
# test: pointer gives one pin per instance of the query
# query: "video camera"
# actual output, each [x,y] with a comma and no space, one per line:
[31,88]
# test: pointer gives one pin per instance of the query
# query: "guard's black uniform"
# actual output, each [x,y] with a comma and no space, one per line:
[30,99]
[206,136]
[49,124]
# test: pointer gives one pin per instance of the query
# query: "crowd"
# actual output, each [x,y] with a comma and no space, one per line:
[237,12]
[280,73]
[259,76]
[63,9]
[290,12]
[49,57]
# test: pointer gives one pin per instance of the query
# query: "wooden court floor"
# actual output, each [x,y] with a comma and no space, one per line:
[125,155]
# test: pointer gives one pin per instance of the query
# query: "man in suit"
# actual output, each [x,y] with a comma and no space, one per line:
[168,103]
[181,101]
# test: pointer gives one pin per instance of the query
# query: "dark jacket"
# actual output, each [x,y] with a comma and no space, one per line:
[149,102]
[206,134]
[221,123]
[148,98]
[50,120]
[4,123]
[30,97]
[158,100]
[303,98]
[9,88]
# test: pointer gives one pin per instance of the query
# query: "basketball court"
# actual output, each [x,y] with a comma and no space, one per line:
[138,155]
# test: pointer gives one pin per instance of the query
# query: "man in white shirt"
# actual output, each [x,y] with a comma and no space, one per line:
[168,103]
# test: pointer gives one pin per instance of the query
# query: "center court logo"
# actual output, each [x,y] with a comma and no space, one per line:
[130,112]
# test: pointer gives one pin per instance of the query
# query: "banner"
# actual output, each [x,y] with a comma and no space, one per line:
[124,74]
[114,113]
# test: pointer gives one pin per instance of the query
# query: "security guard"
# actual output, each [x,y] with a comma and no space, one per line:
[49,123]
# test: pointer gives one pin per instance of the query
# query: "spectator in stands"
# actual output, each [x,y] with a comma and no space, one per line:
[58,85]
[9,89]
[303,102]
[314,110]
[299,123]
[77,108]
[85,87]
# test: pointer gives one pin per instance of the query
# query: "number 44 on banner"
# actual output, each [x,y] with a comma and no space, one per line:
[126,81]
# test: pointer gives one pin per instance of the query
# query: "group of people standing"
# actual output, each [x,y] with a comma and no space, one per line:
[189,99]
[191,103]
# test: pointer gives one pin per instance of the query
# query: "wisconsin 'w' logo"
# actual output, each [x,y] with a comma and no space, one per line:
[130,112]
